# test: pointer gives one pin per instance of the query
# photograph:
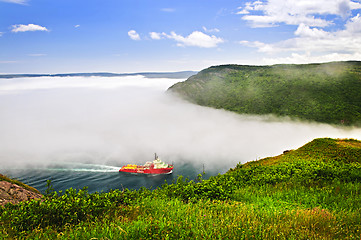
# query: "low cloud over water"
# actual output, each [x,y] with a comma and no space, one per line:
[123,120]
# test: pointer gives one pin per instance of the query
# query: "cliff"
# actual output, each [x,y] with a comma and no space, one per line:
[12,191]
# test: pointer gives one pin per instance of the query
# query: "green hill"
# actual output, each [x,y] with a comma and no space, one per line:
[313,192]
[328,92]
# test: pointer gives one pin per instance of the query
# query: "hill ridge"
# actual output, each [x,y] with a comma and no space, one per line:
[321,92]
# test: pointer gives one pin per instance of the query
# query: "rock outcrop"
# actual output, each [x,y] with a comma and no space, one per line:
[13,193]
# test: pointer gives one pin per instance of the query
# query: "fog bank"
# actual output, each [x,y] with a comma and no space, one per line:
[127,119]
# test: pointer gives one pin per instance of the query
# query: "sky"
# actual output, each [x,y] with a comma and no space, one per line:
[62,36]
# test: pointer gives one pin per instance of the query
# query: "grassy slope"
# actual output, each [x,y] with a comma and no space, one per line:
[313,192]
[326,92]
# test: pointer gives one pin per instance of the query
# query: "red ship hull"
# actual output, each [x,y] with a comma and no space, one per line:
[155,167]
[148,171]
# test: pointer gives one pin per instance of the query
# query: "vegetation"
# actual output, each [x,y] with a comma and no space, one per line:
[5,178]
[313,192]
[326,92]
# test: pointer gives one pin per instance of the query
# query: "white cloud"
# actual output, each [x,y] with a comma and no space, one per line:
[76,26]
[312,44]
[306,31]
[243,11]
[1,33]
[296,58]
[15,1]
[252,6]
[317,40]
[354,24]
[262,47]
[211,30]
[195,39]
[133,35]
[270,13]
[28,28]
[155,35]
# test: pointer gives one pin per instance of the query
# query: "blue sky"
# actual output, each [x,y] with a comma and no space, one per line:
[42,36]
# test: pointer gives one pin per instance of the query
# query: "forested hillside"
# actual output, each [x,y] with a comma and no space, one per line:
[328,92]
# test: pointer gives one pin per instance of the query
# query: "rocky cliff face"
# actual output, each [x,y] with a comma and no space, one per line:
[13,193]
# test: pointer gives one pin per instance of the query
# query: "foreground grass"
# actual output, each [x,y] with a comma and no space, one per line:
[309,193]
[154,218]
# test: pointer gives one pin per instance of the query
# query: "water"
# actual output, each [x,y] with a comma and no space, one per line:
[98,178]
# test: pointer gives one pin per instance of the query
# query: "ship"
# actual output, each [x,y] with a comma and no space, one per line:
[155,167]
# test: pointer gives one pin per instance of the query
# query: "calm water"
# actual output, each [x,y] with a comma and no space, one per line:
[98,177]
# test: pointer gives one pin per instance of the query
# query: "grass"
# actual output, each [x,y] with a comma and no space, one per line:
[174,219]
[313,192]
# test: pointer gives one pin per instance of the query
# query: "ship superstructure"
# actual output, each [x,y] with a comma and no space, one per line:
[155,167]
